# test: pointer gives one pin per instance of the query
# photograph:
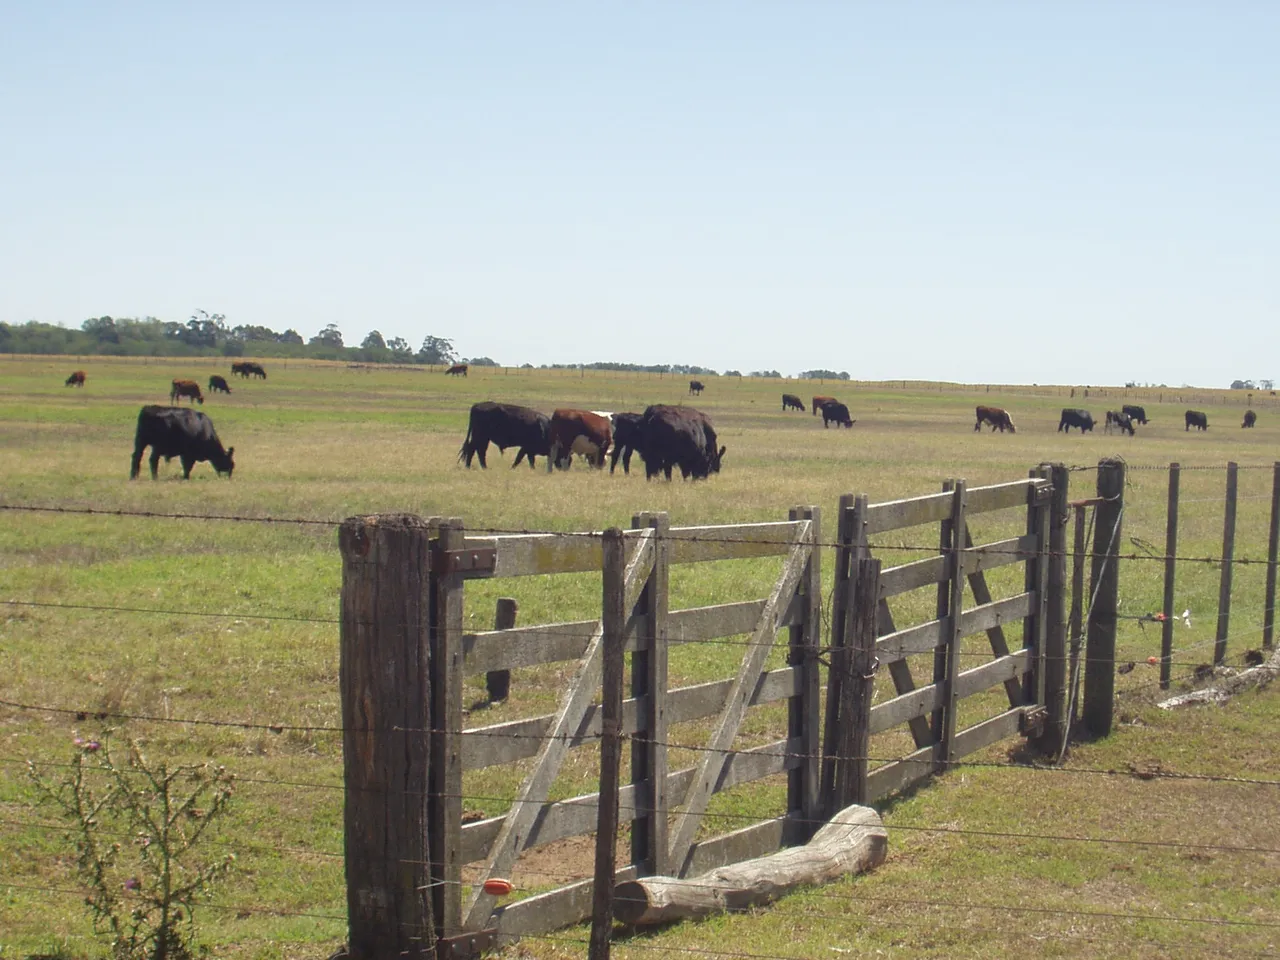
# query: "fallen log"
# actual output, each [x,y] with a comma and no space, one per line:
[854,841]
[1220,693]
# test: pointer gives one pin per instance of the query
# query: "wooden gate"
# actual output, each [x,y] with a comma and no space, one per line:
[658,844]
[932,712]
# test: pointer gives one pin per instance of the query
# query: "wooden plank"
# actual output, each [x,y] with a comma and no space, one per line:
[530,554]
[900,774]
[733,541]
[984,734]
[517,739]
[613,618]
[576,816]
[715,757]
[947,658]
[497,683]
[756,840]
[926,637]
[652,717]
[445,792]
[921,702]
[907,706]
[934,507]
[553,910]
[978,679]
[981,596]
[932,570]
[531,645]
[533,791]
[804,710]
[900,674]
[1273,543]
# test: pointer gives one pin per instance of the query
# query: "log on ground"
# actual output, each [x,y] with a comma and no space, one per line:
[854,841]
[1220,693]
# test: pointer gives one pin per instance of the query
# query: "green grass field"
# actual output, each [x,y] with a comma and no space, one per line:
[325,442]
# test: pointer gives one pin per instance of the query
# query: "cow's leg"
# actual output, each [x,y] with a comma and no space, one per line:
[481,450]
[155,462]
[136,464]
[187,464]
[626,462]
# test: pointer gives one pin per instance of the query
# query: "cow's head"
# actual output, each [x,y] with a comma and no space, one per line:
[223,462]
[715,459]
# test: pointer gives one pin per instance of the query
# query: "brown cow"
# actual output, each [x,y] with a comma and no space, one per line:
[186,388]
[578,431]
[457,370]
[820,402]
[996,417]
[76,379]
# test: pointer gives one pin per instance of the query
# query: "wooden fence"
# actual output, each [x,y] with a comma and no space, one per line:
[418,876]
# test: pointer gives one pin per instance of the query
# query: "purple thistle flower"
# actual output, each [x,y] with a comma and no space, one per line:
[133,883]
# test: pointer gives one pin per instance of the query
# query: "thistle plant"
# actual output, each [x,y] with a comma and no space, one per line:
[135,826]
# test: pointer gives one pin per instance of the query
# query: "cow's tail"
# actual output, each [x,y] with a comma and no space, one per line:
[467,448]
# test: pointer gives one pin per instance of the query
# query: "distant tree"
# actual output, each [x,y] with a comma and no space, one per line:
[824,375]
[483,362]
[526,366]
[291,336]
[102,329]
[255,332]
[1266,384]
[399,344]
[1243,385]
[330,336]
[766,373]
[732,373]
[374,341]
[437,350]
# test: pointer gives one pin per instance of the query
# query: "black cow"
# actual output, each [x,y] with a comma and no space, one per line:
[1138,413]
[837,413]
[998,417]
[505,425]
[1073,417]
[1121,420]
[696,387]
[1250,418]
[626,439]
[218,385]
[249,369]
[1197,419]
[791,402]
[678,437]
[178,432]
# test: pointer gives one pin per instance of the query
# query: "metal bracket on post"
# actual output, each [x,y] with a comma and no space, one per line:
[1032,720]
[475,562]
[464,946]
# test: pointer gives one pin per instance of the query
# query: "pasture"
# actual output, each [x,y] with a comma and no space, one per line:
[973,869]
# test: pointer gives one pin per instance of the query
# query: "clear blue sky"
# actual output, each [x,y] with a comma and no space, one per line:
[1077,192]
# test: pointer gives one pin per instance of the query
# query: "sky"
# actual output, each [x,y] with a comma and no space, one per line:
[1056,192]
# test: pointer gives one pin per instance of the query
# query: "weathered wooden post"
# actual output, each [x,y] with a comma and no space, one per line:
[1055,632]
[856,663]
[498,682]
[613,621]
[649,689]
[1228,555]
[1104,589]
[840,600]
[1273,541]
[386,700]
[804,711]
[1170,573]
[946,661]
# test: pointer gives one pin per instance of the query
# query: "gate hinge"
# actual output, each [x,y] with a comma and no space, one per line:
[463,946]
[475,561]
[1031,722]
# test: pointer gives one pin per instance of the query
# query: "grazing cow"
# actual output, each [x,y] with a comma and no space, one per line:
[185,388]
[505,425]
[626,439]
[1138,413]
[218,385]
[177,432]
[1250,418]
[457,370]
[791,402]
[818,403]
[76,379]
[995,416]
[1121,420]
[1074,417]
[678,437]
[837,413]
[248,368]
[578,431]
[1197,419]
[696,387]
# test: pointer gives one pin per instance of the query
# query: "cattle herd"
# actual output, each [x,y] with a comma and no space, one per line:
[666,437]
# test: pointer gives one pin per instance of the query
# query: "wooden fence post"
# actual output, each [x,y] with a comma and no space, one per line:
[946,661]
[1055,632]
[445,791]
[1273,541]
[1104,587]
[386,700]
[498,682]
[856,663]
[804,711]
[613,619]
[649,845]
[1076,628]
[840,599]
[1170,573]
[1228,554]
